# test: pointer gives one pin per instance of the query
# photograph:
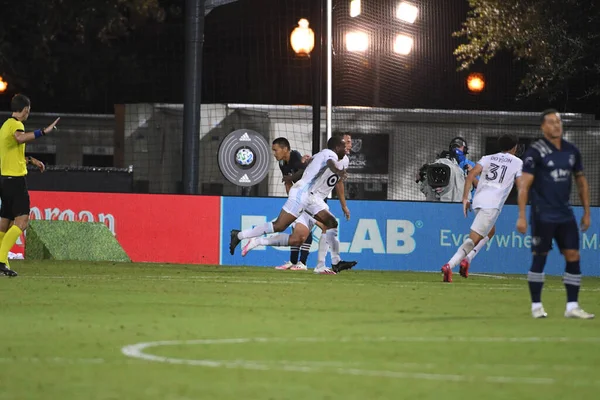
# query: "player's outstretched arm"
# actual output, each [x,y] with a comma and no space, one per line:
[524,183]
[584,194]
[24,137]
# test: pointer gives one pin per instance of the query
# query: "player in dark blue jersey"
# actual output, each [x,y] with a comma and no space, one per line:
[549,166]
[292,164]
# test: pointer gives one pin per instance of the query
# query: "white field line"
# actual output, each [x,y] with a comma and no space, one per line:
[138,351]
[254,281]
[51,360]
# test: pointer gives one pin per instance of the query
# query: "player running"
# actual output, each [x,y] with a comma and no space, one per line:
[305,197]
[498,174]
[292,165]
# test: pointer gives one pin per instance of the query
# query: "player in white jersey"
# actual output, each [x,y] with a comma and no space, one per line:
[307,195]
[337,264]
[499,172]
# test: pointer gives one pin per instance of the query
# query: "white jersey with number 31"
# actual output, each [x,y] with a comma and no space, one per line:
[496,181]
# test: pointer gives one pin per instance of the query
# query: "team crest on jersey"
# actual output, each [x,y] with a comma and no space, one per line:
[572,160]
[356,145]
[333,180]
[528,162]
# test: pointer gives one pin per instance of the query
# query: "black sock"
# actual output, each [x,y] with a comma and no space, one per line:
[535,278]
[294,255]
[572,280]
[305,248]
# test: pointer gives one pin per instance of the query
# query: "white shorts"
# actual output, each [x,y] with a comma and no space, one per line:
[485,219]
[306,220]
[300,200]
[296,202]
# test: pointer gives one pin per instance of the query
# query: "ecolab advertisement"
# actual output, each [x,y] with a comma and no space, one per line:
[381,235]
[414,236]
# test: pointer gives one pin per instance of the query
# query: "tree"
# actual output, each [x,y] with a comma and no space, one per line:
[557,39]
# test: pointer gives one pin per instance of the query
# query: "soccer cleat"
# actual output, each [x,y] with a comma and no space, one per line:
[287,265]
[324,271]
[464,268]
[7,271]
[342,266]
[233,241]
[298,267]
[578,313]
[447,273]
[252,243]
[538,312]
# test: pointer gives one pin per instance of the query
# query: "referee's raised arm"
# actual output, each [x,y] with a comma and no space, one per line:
[26,137]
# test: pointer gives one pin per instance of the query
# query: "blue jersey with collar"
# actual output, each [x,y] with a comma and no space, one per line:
[553,171]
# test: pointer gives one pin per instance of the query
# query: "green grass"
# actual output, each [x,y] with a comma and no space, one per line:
[69,240]
[358,335]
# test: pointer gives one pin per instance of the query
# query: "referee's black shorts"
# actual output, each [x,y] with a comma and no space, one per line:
[15,197]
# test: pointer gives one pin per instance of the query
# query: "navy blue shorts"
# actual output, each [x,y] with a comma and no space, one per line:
[566,235]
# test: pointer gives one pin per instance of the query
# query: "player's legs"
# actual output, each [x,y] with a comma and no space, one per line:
[288,214]
[308,222]
[331,236]
[294,251]
[484,222]
[542,234]
[305,249]
[298,236]
[567,239]
[323,246]
[15,206]
[466,262]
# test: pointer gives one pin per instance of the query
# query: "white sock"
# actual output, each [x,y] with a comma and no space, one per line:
[462,251]
[323,247]
[479,246]
[280,239]
[572,305]
[535,306]
[334,245]
[257,231]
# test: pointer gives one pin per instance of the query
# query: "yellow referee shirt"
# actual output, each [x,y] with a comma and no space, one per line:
[12,154]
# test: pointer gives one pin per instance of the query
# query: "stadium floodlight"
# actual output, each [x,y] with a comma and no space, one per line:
[302,38]
[403,44]
[407,12]
[3,85]
[355,8]
[357,41]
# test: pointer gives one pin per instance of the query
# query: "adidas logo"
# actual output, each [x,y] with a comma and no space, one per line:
[245,138]
[245,179]
[550,163]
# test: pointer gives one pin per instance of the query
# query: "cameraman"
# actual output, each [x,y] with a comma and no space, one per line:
[443,180]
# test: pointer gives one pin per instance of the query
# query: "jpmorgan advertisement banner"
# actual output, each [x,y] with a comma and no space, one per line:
[405,236]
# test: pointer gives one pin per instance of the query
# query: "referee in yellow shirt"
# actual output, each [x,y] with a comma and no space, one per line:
[13,167]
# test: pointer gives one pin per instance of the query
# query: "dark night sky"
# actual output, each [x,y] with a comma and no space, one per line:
[248,58]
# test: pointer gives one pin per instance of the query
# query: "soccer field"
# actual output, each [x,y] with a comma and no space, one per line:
[146,331]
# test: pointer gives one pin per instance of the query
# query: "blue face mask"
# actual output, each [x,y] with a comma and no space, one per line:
[460,156]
